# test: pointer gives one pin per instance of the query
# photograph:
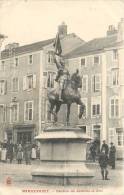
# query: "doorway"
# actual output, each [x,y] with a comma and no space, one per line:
[23,137]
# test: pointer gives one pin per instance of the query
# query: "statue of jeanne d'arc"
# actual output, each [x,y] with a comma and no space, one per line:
[62,74]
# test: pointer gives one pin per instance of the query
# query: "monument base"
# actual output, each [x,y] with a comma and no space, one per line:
[63,174]
[63,154]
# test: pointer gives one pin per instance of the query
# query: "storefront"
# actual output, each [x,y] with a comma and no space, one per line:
[21,133]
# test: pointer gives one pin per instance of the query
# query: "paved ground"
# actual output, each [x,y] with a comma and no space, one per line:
[21,177]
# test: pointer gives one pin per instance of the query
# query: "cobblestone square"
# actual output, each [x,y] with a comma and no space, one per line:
[20,176]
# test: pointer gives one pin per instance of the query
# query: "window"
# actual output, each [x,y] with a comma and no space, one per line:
[114,78]
[83,62]
[95,109]
[114,107]
[2,66]
[44,80]
[111,135]
[28,111]
[120,138]
[96,131]
[30,59]
[85,84]
[115,54]
[96,60]
[50,57]
[29,82]
[2,113]
[15,84]
[96,106]
[16,62]
[14,112]
[50,79]
[96,83]
[2,87]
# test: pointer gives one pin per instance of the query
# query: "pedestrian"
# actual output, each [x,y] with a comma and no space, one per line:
[10,151]
[105,147]
[112,152]
[27,153]
[19,156]
[103,162]
[93,151]
[33,152]
[38,152]
[4,151]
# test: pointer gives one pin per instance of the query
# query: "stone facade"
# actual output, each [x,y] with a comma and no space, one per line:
[25,74]
[107,122]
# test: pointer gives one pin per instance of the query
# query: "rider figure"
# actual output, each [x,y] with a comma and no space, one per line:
[62,75]
[76,77]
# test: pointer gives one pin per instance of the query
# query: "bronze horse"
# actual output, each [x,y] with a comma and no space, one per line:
[70,95]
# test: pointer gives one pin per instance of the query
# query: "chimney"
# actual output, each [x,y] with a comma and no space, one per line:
[62,29]
[121,30]
[111,30]
[12,45]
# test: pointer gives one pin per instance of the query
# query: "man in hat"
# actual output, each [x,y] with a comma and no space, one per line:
[27,153]
[112,152]
[10,151]
[103,162]
[105,147]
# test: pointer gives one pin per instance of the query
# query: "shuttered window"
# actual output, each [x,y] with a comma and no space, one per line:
[3,87]
[96,83]
[29,82]
[2,113]
[28,110]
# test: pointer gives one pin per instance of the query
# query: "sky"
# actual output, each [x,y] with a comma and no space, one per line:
[28,21]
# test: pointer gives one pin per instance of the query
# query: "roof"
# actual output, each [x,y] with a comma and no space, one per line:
[69,42]
[97,44]
[27,48]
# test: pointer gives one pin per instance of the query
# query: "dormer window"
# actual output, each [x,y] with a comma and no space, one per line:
[30,59]
[16,62]
[2,65]
[83,62]
[96,59]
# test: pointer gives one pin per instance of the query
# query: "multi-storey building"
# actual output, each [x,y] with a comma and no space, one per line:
[25,73]
[100,62]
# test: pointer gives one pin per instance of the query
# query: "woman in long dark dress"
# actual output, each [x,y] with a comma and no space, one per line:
[112,152]
[19,154]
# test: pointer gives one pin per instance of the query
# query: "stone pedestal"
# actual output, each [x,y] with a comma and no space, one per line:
[63,155]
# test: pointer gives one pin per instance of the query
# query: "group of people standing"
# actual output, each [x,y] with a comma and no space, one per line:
[107,157]
[10,151]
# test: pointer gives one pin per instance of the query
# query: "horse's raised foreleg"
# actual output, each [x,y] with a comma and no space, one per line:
[68,113]
[82,108]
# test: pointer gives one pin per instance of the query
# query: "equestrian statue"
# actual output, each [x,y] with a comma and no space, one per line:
[66,90]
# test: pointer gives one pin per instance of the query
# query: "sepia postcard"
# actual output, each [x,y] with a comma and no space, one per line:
[61,97]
